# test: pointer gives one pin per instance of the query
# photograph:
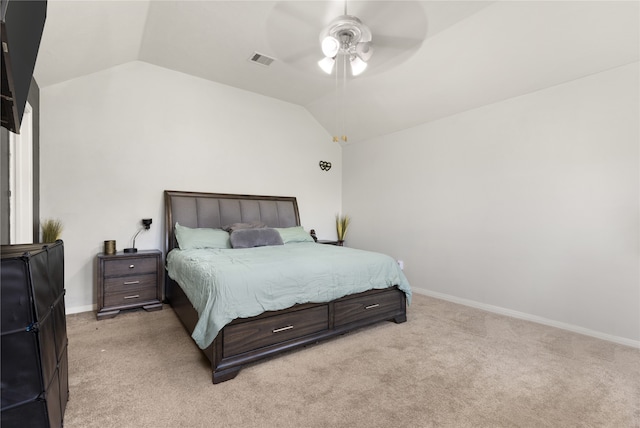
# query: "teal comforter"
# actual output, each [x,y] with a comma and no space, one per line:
[225,284]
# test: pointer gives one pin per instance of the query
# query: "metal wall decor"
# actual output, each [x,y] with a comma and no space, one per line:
[325,166]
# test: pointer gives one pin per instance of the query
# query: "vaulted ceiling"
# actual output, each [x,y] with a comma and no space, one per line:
[432,58]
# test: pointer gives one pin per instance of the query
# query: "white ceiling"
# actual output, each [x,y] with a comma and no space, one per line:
[459,55]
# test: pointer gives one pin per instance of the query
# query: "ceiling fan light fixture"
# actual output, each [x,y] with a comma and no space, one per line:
[357,66]
[347,36]
[326,64]
[330,46]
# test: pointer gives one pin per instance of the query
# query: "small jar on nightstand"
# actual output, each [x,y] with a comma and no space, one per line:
[129,281]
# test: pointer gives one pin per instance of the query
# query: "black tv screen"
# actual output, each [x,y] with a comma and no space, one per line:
[22,26]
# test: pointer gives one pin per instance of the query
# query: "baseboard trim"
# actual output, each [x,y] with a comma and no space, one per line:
[483,306]
[79,309]
[528,317]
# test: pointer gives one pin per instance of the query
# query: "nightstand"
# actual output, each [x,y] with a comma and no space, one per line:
[129,281]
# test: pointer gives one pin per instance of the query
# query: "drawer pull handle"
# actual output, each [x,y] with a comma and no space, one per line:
[278,330]
[132,266]
[131,282]
[135,296]
[372,306]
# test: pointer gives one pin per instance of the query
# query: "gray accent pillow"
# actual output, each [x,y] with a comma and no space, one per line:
[249,238]
[237,226]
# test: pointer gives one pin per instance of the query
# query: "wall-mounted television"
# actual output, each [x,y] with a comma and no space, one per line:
[22,26]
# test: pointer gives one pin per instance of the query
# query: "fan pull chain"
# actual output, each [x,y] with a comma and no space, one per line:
[335,110]
[344,95]
[337,139]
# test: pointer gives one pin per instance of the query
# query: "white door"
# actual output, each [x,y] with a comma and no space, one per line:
[21,181]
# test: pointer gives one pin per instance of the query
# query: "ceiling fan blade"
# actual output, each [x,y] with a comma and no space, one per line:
[402,16]
[293,32]
[372,13]
[395,42]
[310,54]
[311,14]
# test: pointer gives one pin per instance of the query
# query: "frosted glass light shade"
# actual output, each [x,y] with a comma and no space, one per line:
[357,66]
[330,46]
[326,64]
[364,51]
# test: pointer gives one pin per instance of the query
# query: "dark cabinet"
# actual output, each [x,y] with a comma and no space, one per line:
[21,25]
[35,386]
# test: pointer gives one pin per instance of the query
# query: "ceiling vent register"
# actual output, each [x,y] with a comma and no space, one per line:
[261,59]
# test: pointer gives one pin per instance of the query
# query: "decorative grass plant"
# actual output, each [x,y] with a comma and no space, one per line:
[51,230]
[342,225]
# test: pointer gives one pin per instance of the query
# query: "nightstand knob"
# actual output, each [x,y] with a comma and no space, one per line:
[132,266]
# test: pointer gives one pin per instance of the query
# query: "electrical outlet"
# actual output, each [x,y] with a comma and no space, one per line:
[401,264]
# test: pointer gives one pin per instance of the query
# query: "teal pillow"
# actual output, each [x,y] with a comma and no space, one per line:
[294,234]
[189,238]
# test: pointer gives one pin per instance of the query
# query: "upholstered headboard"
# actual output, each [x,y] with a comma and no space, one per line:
[216,210]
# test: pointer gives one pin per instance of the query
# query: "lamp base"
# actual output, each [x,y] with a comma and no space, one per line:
[130,250]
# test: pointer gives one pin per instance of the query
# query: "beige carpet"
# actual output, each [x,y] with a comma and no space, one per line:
[448,365]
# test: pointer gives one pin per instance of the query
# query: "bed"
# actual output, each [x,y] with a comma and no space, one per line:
[301,310]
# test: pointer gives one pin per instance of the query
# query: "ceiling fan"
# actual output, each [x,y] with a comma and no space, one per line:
[347,36]
[395,29]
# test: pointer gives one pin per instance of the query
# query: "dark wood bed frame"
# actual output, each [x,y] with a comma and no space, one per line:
[246,340]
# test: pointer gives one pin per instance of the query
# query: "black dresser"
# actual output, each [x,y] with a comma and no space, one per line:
[35,386]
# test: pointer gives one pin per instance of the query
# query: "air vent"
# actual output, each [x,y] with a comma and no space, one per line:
[261,59]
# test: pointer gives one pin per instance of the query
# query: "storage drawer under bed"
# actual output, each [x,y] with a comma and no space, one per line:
[368,307]
[254,334]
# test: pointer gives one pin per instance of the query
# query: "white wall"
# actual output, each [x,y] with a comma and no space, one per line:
[111,142]
[528,206]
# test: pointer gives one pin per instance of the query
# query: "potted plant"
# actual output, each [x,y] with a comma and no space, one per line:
[342,225]
[51,230]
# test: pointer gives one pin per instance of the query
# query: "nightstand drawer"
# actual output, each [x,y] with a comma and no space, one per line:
[130,266]
[124,283]
[130,297]
[382,304]
[242,337]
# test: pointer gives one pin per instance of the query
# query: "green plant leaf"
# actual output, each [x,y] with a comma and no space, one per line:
[51,230]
